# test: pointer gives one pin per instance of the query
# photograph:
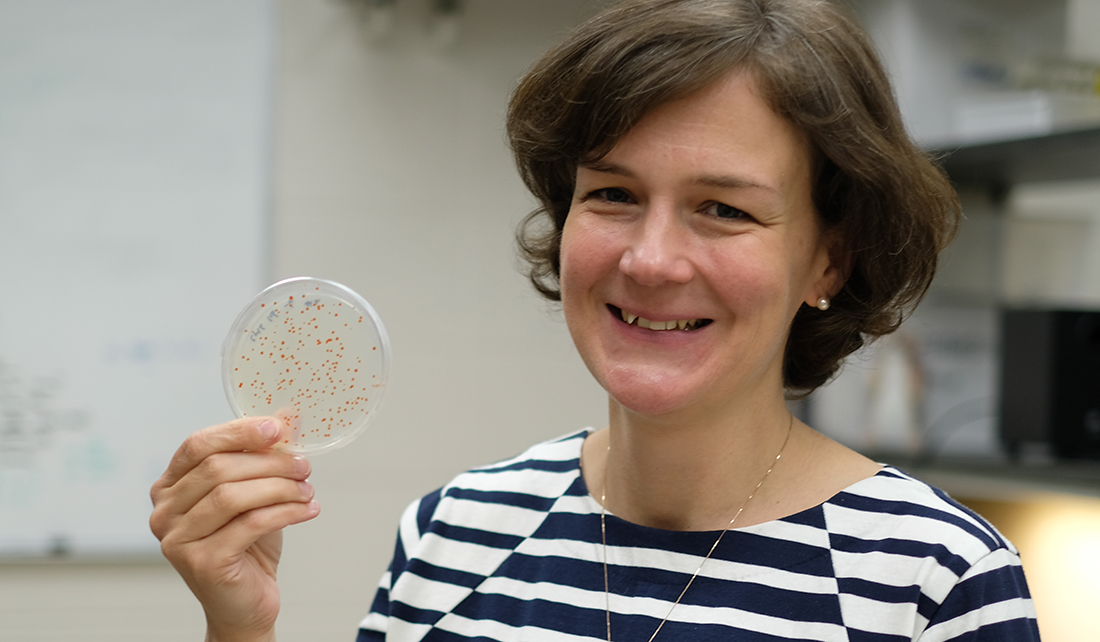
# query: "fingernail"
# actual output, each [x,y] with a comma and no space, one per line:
[306,488]
[301,466]
[268,429]
[314,507]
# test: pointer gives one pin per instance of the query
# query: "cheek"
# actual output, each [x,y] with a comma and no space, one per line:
[583,257]
[749,277]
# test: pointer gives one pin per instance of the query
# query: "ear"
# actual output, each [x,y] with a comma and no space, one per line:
[835,264]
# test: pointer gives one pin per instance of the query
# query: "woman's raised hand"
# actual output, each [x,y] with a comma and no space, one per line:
[219,510]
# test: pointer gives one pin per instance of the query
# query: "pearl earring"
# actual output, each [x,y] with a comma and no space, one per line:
[823,304]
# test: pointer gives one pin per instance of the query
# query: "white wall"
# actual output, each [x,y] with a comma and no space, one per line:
[392,176]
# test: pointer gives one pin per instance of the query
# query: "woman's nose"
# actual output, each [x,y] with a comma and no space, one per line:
[657,251]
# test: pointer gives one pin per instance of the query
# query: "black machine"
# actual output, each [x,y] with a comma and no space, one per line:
[1050,381]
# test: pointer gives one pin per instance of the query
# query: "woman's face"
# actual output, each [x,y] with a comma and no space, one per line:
[688,249]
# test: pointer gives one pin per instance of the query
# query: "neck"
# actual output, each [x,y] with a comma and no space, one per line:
[681,473]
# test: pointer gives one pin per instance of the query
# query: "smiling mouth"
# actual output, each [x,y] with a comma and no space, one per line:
[686,325]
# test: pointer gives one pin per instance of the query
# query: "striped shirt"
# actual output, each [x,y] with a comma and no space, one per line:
[512,552]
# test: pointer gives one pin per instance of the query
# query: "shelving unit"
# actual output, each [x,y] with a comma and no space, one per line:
[1002,480]
[995,167]
[1064,155]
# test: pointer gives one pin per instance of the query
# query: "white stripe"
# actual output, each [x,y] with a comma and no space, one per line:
[576,505]
[557,593]
[501,518]
[887,618]
[401,631]
[791,532]
[926,530]
[460,556]
[539,483]
[657,609]
[422,593]
[564,449]
[999,558]
[725,616]
[896,570]
[374,622]
[680,563]
[1005,611]
[914,491]
[493,630]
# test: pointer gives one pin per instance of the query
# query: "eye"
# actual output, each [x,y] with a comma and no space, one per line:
[612,195]
[726,212]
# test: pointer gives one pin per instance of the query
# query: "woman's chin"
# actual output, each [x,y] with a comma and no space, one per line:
[651,397]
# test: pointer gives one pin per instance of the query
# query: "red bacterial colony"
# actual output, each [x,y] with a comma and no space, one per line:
[300,361]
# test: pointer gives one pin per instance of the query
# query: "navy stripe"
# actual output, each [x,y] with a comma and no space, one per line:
[426,510]
[927,607]
[413,615]
[577,489]
[897,507]
[445,575]
[513,611]
[475,536]
[574,620]
[1018,629]
[814,517]
[996,585]
[547,465]
[991,532]
[879,592]
[522,500]
[736,546]
[754,596]
[381,600]
[908,548]
[855,635]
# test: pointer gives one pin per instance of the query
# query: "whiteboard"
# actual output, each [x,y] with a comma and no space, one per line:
[134,196]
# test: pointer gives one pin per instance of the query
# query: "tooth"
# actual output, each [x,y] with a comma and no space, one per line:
[644,323]
[682,324]
[629,318]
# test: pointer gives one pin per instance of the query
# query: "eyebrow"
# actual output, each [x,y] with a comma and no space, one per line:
[706,180]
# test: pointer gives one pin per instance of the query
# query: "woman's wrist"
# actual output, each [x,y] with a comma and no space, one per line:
[212,636]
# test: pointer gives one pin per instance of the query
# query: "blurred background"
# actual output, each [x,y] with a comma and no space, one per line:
[161,162]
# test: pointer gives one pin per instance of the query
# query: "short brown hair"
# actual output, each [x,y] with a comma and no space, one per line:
[889,205]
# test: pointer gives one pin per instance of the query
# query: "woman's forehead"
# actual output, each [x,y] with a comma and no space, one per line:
[726,133]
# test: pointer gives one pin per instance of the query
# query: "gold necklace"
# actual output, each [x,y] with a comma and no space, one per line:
[603,536]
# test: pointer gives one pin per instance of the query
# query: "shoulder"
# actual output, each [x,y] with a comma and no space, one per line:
[514,491]
[892,530]
[894,508]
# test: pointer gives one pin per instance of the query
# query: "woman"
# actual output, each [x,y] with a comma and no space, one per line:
[730,205]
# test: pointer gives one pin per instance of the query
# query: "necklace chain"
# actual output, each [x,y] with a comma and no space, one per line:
[603,537]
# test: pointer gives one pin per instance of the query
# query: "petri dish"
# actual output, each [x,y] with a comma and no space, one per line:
[312,353]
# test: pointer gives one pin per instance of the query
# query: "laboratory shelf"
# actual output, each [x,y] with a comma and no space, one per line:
[1063,155]
[1000,478]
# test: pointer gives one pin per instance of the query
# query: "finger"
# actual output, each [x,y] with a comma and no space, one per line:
[248,527]
[248,433]
[223,468]
[223,548]
[228,501]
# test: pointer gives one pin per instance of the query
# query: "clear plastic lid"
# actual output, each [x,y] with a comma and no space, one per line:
[312,353]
